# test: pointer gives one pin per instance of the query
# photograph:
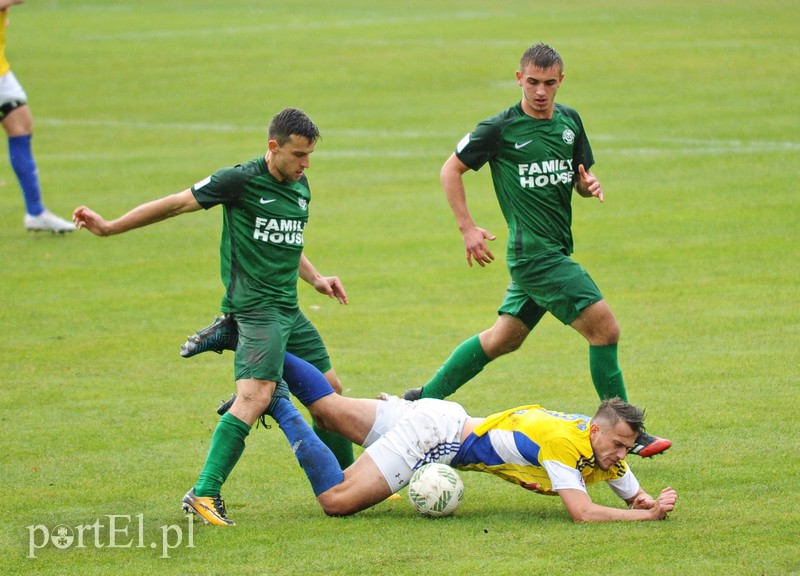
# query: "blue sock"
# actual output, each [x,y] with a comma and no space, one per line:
[21,154]
[305,381]
[316,459]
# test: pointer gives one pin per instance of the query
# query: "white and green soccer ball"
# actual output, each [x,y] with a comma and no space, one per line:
[435,490]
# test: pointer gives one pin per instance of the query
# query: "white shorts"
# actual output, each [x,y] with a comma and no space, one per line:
[10,89]
[407,435]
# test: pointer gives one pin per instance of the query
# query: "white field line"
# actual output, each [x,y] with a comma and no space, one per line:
[612,145]
[283,26]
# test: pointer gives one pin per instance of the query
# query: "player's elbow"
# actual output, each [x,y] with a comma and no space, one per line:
[576,515]
[580,513]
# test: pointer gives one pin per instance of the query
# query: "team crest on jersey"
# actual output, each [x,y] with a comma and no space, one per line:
[568,136]
[303,204]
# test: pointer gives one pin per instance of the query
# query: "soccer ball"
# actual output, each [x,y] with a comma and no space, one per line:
[435,490]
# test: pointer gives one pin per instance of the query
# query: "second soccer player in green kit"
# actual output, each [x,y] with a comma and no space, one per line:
[538,154]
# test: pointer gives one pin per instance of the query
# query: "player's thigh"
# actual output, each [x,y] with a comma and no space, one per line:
[506,335]
[351,418]
[15,114]
[18,122]
[262,344]
[388,412]
[306,342]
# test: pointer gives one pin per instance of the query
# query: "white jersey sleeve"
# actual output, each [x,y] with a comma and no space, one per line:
[563,477]
[625,487]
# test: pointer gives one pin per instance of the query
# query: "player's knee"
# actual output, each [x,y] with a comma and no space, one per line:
[320,418]
[604,338]
[502,344]
[610,332]
[256,392]
[506,336]
[328,413]
[512,344]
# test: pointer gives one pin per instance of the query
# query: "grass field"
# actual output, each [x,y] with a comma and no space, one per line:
[692,112]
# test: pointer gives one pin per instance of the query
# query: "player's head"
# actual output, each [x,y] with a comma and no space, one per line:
[289,122]
[540,74]
[614,430]
[292,139]
[613,410]
[541,56]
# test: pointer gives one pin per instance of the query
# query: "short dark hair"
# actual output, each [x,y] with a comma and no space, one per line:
[292,121]
[615,409]
[541,56]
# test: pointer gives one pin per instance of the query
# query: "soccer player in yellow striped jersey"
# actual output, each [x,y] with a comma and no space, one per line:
[538,449]
[561,453]
[542,450]
[17,121]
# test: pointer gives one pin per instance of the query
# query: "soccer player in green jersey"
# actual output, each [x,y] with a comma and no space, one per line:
[538,153]
[265,212]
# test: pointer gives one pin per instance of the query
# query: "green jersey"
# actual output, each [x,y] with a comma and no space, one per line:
[262,234]
[533,164]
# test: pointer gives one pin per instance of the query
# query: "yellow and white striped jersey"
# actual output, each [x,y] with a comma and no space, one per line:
[541,450]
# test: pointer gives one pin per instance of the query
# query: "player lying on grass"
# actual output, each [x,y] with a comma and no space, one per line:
[541,450]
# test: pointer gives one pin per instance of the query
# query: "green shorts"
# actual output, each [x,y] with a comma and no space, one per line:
[266,335]
[550,282]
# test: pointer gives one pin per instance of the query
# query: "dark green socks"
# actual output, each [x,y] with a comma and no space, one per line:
[227,445]
[606,373]
[342,448]
[466,362]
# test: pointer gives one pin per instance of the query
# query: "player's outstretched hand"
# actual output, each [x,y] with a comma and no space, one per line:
[332,287]
[83,217]
[475,243]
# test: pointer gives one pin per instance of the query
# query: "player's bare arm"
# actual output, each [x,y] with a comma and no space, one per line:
[142,215]
[642,501]
[7,3]
[474,237]
[331,286]
[587,184]
[582,509]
